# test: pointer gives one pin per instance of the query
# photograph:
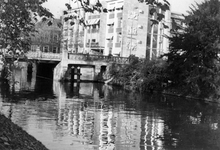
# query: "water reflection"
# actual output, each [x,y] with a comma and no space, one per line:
[99,117]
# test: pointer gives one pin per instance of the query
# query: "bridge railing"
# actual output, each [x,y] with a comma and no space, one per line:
[74,56]
[89,57]
[42,55]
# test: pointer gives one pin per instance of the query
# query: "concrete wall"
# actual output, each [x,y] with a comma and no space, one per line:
[25,80]
[90,71]
[87,73]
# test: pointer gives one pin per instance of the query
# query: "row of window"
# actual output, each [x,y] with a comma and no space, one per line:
[92,44]
[117,45]
[93,31]
[112,15]
[46,38]
[94,17]
[45,48]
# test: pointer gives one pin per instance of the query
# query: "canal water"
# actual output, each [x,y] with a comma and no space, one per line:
[90,116]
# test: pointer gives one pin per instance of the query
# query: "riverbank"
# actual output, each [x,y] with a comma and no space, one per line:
[213,98]
[13,137]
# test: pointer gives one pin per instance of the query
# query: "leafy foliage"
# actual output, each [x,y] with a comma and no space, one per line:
[89,7]
[141,75]
[17,22]
[154,75]
[193,60]
[17,19]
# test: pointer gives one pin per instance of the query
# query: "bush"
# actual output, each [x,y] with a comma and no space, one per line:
[140,74]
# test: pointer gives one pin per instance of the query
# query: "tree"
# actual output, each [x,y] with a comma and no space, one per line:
[17,21]
[193,57]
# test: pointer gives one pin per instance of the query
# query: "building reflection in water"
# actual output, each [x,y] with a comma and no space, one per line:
[154,129]
[100,117]
[95,120]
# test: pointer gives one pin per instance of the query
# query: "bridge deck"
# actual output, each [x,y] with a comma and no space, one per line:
[73,56]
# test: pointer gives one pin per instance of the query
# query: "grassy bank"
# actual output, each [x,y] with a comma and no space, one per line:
[13,137]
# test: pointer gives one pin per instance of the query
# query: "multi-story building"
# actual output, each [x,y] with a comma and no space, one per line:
[73,31]
[126,29]
[95,33]
[176,22]
[130,30]
[88,38]
[47,38]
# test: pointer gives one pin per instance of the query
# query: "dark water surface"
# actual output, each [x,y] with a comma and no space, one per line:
[91,116]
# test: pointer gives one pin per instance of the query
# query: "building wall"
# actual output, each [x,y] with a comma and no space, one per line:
[135,25]
[89,38]
[113,38]
[126,29]
[47,38]
[92,34]
[138,36]
[73,34]
[103,20]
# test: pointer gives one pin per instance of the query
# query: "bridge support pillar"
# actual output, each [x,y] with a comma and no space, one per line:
[75,71]
[78,74]
[34,70]
[97,71]
[61,69]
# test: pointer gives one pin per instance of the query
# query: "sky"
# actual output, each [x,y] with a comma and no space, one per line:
[178,6]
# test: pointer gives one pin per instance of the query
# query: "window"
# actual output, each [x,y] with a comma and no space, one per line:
[33,48]
[117,44]
[119,15]
[111,16]
[119,22]
[55,38]
[94,17]
[46,49]
[93,40]
[55,49]
[111,30]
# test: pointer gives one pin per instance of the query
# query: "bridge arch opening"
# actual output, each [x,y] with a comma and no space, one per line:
[45,70]
[29,71]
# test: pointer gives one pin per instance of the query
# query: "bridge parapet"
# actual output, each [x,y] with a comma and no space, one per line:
[44,56]
[120,60]
[89,57]
[75,56]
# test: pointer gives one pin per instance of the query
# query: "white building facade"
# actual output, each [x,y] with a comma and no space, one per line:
[126,29]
